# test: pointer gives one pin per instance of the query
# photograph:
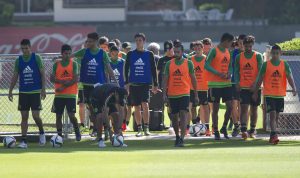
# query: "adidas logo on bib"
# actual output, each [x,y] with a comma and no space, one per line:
[93,62]
[139,62]
[116,72]
[27,70]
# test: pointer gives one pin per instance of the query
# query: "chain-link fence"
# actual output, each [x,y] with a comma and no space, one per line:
[10,117]
[289,121]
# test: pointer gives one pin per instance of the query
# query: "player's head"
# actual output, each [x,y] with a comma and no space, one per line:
[112,43]
[126,47]
[192,45]
[169,48]
[227,40]
[113,52]
[240,41]
[140,39]
[103,43]
[66,51]
[92,39]
[207,45]
[178,51]
[25,47]
[118,43]
[154,47]
[275,52]
[198,47]
[248,43]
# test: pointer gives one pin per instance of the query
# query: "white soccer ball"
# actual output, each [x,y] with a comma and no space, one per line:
[202,129]
[56,141]
[117,140]
[9,142]
[195,130]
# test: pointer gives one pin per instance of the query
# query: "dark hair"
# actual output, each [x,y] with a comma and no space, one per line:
[192,44]
[207,41]
[25,42]
[118,42]
[126,45]
[198,43]
[276,47]
[93,36]
[176,42]
[142,35]
[110,44]
[241,37]
[227,37]
[249,39]
[179,45]
[114,48]
[65,47]
[168,45]
[102,40]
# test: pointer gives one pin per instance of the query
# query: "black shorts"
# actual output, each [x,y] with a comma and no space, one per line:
[128,101]
[139,94]
[98,105]
[217,93]
[274,104]
[203,98]
[235,93]
[80,97]
[179,104]
[87,92]
[59,104]
[29,101]
[246,97]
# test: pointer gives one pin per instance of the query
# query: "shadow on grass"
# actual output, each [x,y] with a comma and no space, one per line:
[147,145]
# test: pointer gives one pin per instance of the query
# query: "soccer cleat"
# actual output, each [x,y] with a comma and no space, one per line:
[207,133]
[140,132]
[252,135]
[101,144]
[180,143]
[244,135]
[23,145]
[78,136]
[127,128]
[224,132]
[42,141]
[274,139]
[235,132]
[171,131]
[146,131]
[217,135]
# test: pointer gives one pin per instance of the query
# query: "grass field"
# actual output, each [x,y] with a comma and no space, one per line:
[154,158]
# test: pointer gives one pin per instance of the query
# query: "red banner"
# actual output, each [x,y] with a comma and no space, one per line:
[43,39]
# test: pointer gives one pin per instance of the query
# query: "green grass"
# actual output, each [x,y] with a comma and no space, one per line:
[155,158]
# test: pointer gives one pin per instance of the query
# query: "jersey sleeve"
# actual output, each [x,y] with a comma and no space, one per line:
[191,67]
[167,68]
[54,68]
[39,62]
[79,54]
[106,59]
[16,68]
[237,69]
[287,68]
[75,68]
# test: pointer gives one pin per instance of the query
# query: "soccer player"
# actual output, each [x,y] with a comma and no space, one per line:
[202,87]
[247,66]
[140,72]
[119,45]
[235,93]
[103,43]
[218,65]
[94,62]
[65,79]
[274,75]
[154,48]
[178,77]
[106,101]
[30,71]
[126,47]
[207,45]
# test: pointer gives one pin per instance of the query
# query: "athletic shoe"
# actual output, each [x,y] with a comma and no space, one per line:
[22,145]
[235,132]
[146,131]
[217,135]
[224,132]
[127,128]
[171,131]
[244,135]
[252,135]
[42,141]
[140,132]
[207,133]
[124,145]
[101,144]
[180,143]
[274,139]
[78,135]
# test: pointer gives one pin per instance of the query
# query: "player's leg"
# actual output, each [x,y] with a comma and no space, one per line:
[215,98]
[244,118]
[174,112]
[226,94]
[71,109]
[272,109]
[36,106]
[99,121]
[145,98]
[253,120]
[235,117]
[24,128]
[183,115]
[87,90]
[81,109]
[58,108]
[204,110]
[136,101]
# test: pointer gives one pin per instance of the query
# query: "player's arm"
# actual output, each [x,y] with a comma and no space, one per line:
[237,72]
[290,78]
[53,78]
[108,68]
[193,79]
[14,80]
[153,73]
[79,54]
[211,55]
[75,76]
[126,70]
[43,75]
[165,81]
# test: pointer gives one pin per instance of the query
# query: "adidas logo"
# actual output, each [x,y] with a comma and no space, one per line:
[225,60]
[177,73]
[116,72]
[93,62]
[65,74]
[248,66]
[139,62]
[27,70]
[198,69]
[276,74]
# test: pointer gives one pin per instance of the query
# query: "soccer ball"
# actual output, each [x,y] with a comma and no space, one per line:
[117,140]
[195,130]
[9,142]
[202,129]
[56,141]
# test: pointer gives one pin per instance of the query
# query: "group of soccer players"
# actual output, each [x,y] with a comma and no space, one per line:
[111,78]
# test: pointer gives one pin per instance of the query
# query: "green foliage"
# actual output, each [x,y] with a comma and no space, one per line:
[209,6]
[6,12]
[292,45]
